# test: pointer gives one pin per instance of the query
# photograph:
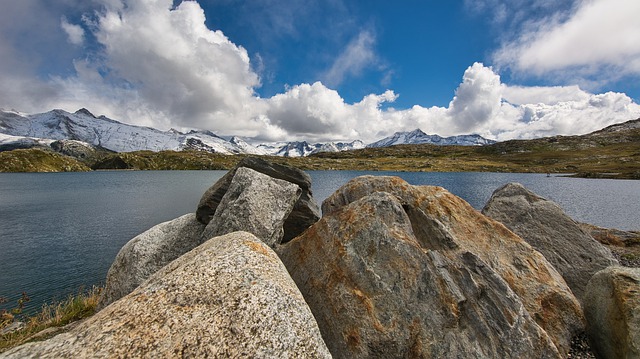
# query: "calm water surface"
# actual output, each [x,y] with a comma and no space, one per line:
[61,231]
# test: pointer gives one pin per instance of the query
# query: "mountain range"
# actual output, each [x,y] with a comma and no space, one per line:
[417,137]
[18,130]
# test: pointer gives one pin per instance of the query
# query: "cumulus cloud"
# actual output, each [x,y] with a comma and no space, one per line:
[316,112]
[477,98]
[600,38]
[482,105]
[178,66]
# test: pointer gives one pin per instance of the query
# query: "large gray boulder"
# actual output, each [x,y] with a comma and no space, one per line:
[149,251]
[612,310]
[305,212]
[231,297]
[255,203]
[545,226]
[394,270]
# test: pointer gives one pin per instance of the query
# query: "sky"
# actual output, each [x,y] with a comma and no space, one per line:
[328,70]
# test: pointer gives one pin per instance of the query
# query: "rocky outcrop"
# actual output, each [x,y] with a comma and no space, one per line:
[146,253]
[255,203]
[230,297]
[417,272]
[612,310]
[545,226]
[304,213]
[77,149]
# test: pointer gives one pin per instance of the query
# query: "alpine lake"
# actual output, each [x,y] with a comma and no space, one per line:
[59,232]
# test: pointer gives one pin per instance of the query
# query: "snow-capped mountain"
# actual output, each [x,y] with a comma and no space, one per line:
[113,135]
[417,137]
[303,148]
[18,130]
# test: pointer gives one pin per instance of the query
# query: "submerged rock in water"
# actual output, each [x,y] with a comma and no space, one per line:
[416,271]
[254,203]
[545,226]
[230,297]
[612,310]
[146,253]
[305,212]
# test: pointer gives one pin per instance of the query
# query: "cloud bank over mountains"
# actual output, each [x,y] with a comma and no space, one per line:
[148,62]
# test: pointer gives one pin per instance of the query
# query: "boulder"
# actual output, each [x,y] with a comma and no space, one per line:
[231,297]
[305,212]
[255,203]
[612,310]
[417,272]
[545,226]
[149,251]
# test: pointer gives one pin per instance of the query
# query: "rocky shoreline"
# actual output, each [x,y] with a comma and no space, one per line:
[389,270]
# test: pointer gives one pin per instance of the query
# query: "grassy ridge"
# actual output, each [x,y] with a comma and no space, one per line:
[37,160]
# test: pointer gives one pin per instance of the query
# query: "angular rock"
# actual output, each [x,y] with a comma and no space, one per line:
[418,272]
[229,298]
[305,212]
[149,251]
[545,226]
[255,203]
[612,309]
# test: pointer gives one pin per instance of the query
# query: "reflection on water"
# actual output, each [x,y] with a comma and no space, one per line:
[61,231]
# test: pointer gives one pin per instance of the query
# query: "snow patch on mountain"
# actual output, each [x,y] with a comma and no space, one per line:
[9,142]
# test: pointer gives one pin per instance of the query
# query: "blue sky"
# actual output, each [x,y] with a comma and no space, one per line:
[322,70]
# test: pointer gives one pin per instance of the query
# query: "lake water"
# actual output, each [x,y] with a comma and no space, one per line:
[61,231]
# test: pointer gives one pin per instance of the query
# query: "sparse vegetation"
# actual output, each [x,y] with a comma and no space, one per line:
[54,316]
[38,160]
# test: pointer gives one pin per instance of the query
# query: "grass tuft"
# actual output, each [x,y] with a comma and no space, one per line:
[54,315]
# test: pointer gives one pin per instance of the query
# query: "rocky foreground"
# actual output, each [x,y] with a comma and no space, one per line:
[390,270]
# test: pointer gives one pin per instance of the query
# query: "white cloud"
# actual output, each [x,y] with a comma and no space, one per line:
[482,105]
[550,95]
[74,32]
[600,38]
[485,106]
[315,112]
[477,98]
[178,66]
[356,57]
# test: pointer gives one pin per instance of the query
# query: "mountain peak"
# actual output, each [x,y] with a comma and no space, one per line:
[84,111]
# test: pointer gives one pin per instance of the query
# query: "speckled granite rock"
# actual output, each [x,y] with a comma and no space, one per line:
[149,251]
[612,309]
[229,298]
[305,212]
[434,248]
[255,203]
[545,226]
